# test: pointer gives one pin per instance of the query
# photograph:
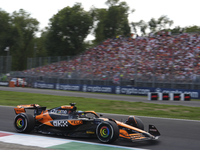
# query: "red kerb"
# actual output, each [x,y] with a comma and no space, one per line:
[4,134]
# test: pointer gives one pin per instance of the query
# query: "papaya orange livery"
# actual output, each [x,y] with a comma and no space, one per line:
[75,122]
[67,107]
[66,120]
[19,110]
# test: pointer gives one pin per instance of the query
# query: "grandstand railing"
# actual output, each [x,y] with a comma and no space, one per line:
[163,75]
[42,61]
[138,81]
[5,64]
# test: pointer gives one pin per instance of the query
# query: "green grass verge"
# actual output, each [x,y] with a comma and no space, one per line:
[99,105]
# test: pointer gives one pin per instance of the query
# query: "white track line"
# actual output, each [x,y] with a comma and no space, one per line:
[33,140]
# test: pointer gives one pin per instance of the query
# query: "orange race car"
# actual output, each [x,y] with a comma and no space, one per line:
[66,120]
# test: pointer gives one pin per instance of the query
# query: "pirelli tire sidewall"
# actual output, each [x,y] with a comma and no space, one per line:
[135,122]
[140,124]
[107,131]
[24,123]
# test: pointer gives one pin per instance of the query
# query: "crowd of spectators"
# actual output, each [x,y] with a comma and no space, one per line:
[160,57]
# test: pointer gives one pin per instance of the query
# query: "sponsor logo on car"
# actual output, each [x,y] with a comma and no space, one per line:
[60,123]
[59,111]
[154,130]
[90,132]
[75,122]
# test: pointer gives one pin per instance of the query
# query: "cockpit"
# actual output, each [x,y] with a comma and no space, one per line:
[69,112]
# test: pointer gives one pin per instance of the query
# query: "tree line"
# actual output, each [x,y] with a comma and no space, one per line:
[69,28]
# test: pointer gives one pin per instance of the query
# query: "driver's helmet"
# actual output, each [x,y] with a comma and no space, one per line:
[81,114]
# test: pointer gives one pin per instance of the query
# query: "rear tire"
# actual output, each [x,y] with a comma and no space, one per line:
[107,131]
[24,123]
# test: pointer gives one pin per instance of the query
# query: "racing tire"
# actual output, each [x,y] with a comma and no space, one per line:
[107,131]
[135,122]
[24,123]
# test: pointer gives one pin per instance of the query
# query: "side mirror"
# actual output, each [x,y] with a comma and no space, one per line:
[100,115]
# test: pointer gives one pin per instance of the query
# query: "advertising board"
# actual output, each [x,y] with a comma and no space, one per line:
[4,83]
[127,90]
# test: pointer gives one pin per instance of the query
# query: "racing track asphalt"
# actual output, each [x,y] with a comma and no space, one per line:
[175,134]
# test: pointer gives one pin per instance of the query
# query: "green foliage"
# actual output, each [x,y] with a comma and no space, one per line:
[39,44]
[17,32]
[126,30]
[162,23]
[68,30]
[152,24]
[111,2]
[24,28]
[99,16]
[5,31]
[189,29]
[112,21]
[193,29]
[177,30]
[141,24]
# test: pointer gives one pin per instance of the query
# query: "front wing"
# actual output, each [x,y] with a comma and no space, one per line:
[135,134]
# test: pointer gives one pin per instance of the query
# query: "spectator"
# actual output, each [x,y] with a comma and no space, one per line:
[144,57]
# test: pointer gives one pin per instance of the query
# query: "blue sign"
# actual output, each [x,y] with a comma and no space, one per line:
[42,85]
[128,90]
[68,87]
[96,88]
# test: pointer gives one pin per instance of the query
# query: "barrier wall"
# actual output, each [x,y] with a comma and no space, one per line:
[2,83]
[169,96]
[127,90]
[11,84]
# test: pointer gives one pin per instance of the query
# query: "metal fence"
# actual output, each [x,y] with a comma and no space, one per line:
[5,64]
[79,76]
[42,61]
[151,67]
[154,81]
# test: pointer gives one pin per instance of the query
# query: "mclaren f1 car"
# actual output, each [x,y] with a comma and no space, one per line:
[66,120]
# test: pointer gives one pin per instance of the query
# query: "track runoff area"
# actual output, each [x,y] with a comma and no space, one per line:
[175,134]
[54,143]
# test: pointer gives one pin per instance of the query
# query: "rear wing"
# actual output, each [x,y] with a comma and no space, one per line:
[21,108]
[29,106]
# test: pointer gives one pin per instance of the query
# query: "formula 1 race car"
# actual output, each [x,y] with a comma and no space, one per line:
[66,120]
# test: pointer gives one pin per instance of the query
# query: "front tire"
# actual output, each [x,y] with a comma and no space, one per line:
[107,131]
[24,123]
[135,122]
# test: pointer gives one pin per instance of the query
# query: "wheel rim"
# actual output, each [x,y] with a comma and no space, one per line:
[20,123]
[105,132]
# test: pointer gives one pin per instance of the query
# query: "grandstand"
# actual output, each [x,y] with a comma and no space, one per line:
[161,60]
